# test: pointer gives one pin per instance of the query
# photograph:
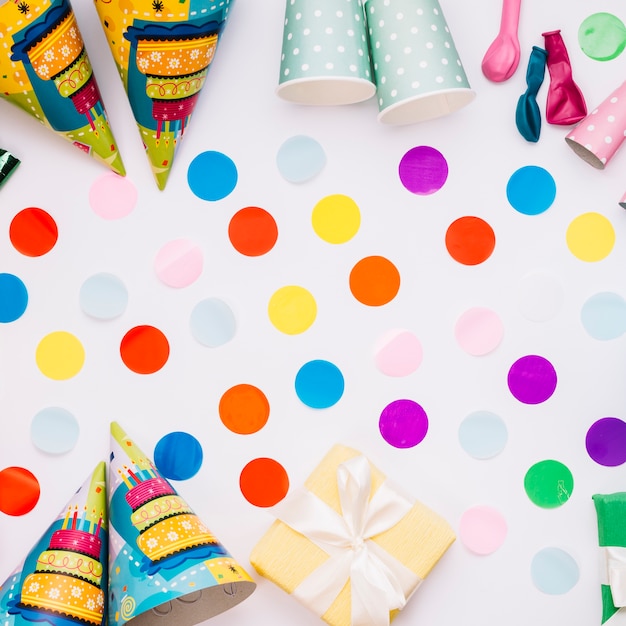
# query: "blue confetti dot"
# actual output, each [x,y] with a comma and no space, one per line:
[178,456]
[319,384]
[212,175]
[13,298]
[604,316]
[531,190]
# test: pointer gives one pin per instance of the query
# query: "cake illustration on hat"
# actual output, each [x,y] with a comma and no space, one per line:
[63,580]
[45,70]
[163,50]
[163,560]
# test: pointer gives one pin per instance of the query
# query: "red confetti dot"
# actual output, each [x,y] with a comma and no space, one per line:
[470,240]
[264,482]
[19,491]
[144,349]
[252,231]
[33,232]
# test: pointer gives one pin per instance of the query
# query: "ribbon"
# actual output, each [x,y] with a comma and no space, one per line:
[379,582]
[615,573]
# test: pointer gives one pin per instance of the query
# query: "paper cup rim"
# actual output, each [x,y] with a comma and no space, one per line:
[323,90]
[407,111]
[585,154]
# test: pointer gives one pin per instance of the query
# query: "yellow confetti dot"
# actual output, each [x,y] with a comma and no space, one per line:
[336,218]
[590,237]
[60,355]
[292,309]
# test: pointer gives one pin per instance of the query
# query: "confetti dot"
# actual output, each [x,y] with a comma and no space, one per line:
[606,441]
[479,331]
[33,232]
[13,298]
[212,176]
[319,384]
[403,423]
[103,296]
[590,237]
[549,484]
[212,323]
[60,355]
[470,240]
[531,190]
[336,219]
[554,571]
[374,281]
[144,349]
[264,482]
[292,309]
[532,379]
[54,430]
[482,529]
[483,434]
[112,197]
[398,353]
[604,316]
[540,297]
[244,409]
[423,170]
[178,456]
[602,36]
[19,491]
[300,158]
[179,263]
[252,231]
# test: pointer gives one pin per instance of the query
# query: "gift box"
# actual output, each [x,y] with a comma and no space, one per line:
[349,545]
[611,515]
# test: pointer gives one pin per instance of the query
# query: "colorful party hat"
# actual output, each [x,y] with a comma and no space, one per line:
[162,559]
[163,50]
[45,70]
[62,581]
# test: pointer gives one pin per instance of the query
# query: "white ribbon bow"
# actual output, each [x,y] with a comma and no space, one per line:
[615,559]
[379,582]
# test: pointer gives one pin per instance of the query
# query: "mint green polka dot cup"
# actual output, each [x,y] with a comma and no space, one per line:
[325,59]
[418,72]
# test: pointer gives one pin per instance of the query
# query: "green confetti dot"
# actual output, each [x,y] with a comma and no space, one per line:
[549,484]
[602,36]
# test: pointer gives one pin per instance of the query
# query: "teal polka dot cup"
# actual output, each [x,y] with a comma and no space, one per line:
[325,59]
[418,72]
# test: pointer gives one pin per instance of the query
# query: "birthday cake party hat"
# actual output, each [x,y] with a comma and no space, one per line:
[45,70]
[163,50]
[163,561]
[63,581]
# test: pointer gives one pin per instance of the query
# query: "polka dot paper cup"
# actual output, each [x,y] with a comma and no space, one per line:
[598,136]
[325,58]
[418,72]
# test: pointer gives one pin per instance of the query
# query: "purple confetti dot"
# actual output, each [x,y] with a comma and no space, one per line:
[606,441]
[532,379]
[423,170]
[403,423]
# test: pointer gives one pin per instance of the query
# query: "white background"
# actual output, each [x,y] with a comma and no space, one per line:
[240,115]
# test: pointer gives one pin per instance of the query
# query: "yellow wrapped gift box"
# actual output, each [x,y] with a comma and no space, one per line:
[350,525]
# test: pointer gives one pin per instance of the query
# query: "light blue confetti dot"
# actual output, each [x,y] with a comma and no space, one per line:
[554,571]
[54,430]
[300,158]
[103,296]
[483,434]
[604,316]
[213,322]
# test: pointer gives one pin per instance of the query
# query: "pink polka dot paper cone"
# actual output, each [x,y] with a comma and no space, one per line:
[598,136]
[622,201]
[165,565]
[63,579]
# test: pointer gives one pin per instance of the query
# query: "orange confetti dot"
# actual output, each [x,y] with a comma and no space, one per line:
[374,281]
[264,482]
[19,491]
[470,240]
[144,349]
[244,409]
[252,231]
[33,232]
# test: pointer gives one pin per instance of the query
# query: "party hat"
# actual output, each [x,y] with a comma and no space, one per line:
[45,70]
[163,50]
[163,561]
[62,581]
